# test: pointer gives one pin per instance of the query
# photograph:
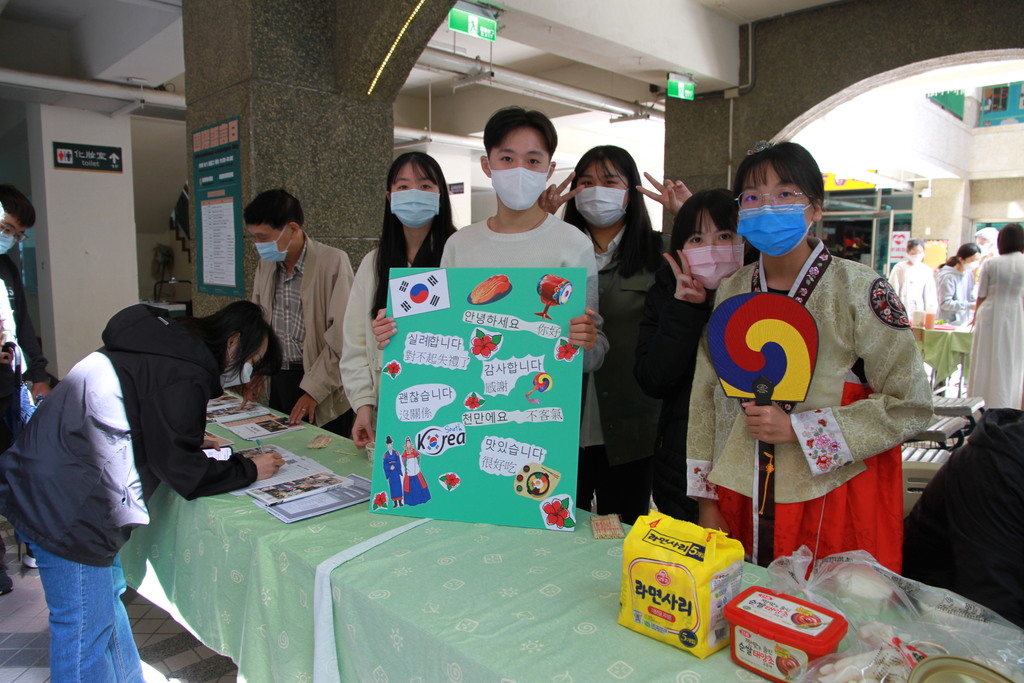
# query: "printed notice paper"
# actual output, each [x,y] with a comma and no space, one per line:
[479,411]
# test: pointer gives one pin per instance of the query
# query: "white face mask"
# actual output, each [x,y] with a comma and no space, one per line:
[601,206]
[971,265]
[916,258]
[238,376]
[518,188]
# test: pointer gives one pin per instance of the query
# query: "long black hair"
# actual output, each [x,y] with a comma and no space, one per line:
[246,319]
[391,251]
[640,247]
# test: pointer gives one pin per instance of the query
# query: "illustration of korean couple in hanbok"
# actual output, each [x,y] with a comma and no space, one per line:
[406,483]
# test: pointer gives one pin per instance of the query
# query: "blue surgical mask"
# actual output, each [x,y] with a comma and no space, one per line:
[415,208]
[7,242]
[775,230]
[268,250]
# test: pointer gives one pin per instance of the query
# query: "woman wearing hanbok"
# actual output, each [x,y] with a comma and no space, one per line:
[997,362]
[414,485]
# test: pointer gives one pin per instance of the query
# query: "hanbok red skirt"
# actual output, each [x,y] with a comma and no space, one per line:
[865,513]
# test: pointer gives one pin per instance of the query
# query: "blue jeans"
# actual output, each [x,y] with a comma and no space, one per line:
[90,635]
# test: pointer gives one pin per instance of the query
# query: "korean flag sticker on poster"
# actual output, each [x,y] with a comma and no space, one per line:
[479,414]
[419,293]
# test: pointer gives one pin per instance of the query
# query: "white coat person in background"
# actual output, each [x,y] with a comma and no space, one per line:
[914,281]
[997,351]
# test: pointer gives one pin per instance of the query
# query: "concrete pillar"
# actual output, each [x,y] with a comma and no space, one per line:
[84,235]
[945,214]
[313,83]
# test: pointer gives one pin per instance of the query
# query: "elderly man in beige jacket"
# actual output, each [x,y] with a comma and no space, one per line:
[303,286]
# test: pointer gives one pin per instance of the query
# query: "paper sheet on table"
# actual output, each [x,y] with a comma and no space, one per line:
[355,490]
[295,467]
[259,426]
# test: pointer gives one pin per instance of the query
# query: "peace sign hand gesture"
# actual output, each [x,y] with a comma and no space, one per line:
[688,288]
[552,198]
[672,194]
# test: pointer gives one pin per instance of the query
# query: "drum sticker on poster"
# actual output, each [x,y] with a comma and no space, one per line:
[479,417]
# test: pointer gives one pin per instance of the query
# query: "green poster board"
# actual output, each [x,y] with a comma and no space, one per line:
[217,183]
[479,411]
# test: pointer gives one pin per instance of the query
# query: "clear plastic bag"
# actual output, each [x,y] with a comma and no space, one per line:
[894,622]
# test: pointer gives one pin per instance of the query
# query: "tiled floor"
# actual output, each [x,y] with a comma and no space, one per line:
[169,652]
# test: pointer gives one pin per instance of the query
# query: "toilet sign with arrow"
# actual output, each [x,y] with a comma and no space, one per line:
[76,157]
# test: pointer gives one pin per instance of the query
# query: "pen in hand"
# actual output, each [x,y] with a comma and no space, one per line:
[259,444]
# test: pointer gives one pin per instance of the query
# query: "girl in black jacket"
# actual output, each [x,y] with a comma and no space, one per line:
[126,417]
[704,250]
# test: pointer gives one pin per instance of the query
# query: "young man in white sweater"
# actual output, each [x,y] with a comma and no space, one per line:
[519,145]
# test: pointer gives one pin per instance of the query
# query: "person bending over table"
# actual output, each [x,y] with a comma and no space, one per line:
[127,417]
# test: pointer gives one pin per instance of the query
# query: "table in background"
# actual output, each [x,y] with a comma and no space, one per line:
[440,600]
[945,350]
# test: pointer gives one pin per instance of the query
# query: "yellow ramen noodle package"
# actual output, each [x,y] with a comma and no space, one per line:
[676,580]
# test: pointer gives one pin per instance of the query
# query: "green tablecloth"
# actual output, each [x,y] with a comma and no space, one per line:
[944,350]
[450,601]
[441,601]
[240,579]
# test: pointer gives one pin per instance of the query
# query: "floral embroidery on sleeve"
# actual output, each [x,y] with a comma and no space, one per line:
[821,440]
[697,484]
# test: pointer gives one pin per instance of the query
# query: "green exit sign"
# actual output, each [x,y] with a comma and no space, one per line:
[472,24]
[680,89]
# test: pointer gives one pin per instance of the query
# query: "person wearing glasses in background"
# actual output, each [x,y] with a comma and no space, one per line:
[18,216]
[303,285]
[835,480]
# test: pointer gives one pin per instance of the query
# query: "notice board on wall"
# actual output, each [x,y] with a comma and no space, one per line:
[479,410]
[217,174]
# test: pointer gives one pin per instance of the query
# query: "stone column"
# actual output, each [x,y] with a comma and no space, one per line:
[313,83]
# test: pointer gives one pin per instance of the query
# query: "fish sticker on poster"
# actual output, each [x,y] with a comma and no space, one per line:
[419,293]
